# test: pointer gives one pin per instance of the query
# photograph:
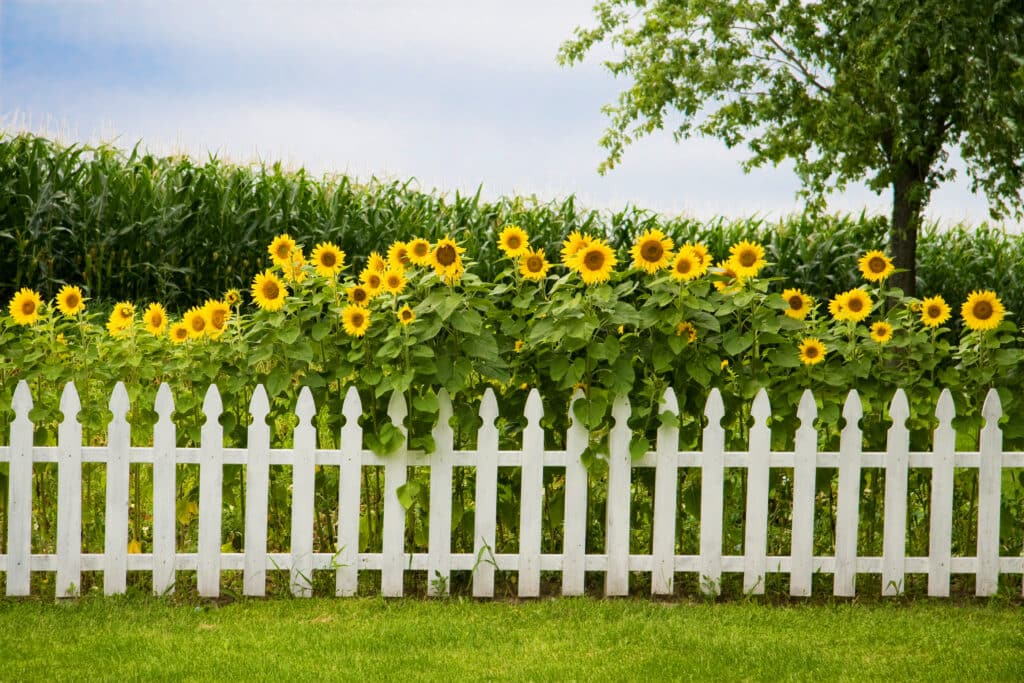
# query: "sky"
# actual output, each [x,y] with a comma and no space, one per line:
[455,94]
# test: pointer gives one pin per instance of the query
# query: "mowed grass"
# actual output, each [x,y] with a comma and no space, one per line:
[460,639]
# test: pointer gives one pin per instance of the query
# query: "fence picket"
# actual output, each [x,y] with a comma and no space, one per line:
[211,486]
[69,496]
[712,482]
[531,497]
[848,505]
[439,561]
[894,527]
[616,578]
[115,531]
[396,474]
[990,473]
[755,543]
[19,494]
[303,496]
[347,552]
[164,486]
[257,487]
[804,475]
[940,534]
[486,507]
[666,475]
[575,540]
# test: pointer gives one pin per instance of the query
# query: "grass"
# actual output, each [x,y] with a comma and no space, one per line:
[460,639]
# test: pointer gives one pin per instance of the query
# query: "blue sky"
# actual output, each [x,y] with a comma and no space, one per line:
[455,94]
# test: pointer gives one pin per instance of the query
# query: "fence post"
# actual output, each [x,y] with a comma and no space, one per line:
[257,487]
[616,578]
[990,472]
[347,577]
[804,476]
[396,473]
[666,482]
[69,496]
[486,507]
[531,497]
[115,531]
[164,493]
[894,526]
[574,546]
[712,482]
[940,534]
[303,496]
[211,485]
[439,560]
[848,505]
[755,542]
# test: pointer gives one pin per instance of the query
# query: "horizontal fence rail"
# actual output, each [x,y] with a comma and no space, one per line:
[616,562]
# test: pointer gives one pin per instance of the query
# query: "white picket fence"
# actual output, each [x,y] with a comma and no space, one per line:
[616,562]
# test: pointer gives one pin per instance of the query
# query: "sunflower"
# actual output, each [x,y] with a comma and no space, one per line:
[376,262]
[572,246]
[934,311]
[419,252]
[70,301]
[155,319]
[514,241]
[853,305]
[701,252]
[746,259]
[121,318]
[733,281]
[355,320]
[398,255]
[688,329]
[652,251]
[835,307]
[359,294]
[195,322]
[982,310]
[406,315]
[881,332]
[327,259]
[294,269]
[24,306]
[179,332]
[281,249]
[875,266]
[534,266]
[799,304]
[812,351]
[519,345]
[447,260]
[594,262]
[216,313]
[372,280]
[232,297]
[687,265]
[268,291]
[393,281]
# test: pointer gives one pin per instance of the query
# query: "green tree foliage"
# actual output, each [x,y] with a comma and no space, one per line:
[876,90]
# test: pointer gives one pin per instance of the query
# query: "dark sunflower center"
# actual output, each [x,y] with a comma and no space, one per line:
[652,251]
[535,264]
[156,320]
[125,313]
[684,266]
[28,307]
[394,281]
[983,310]
[357,320]
[406,315]
[747,258]
[283,251]
[811,352]
[446,255]
[420,249]
[513,242]
[198,324]
[328,259]
[593,259]
[71,300]
[270,290]
[180,333]
[796,302]
[359,295]
[876,264]
[934,311]
[856,304]
[373,280]
[403,256]
[217,319]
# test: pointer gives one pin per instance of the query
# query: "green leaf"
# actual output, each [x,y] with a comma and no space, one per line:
[638,448]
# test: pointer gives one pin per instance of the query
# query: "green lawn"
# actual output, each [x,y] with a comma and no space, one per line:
[459,639]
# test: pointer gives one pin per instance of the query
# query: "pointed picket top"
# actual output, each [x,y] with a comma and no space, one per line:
[534,408]
[353,405]
[669,403]
[853,410]
[945,410]
[305,407]
[22,403]
[489,408]
[576,395]
[397,410]
[621,412]
[807,412]
[899,409]
[761,410]
[70,404]
[444,412]
[714,409]
[992,410]
[259,405]
[164,404]
[119,403]
[212,406]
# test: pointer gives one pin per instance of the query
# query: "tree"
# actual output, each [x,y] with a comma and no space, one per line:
[876,90]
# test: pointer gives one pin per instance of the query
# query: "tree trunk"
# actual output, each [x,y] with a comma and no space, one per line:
[906,217]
